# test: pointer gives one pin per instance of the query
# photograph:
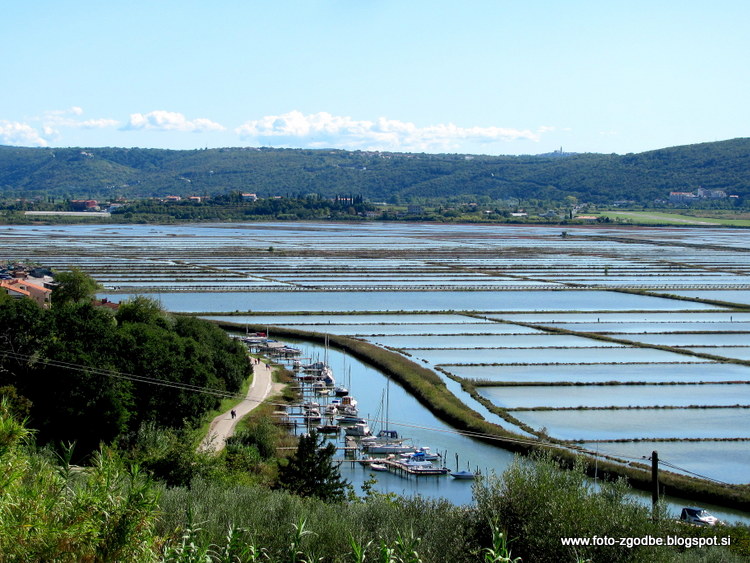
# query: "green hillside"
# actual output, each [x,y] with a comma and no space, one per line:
[597,178]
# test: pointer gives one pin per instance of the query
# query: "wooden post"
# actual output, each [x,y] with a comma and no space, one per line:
[654,481]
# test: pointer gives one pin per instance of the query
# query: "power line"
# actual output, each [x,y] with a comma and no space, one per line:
[230,395]
[664,462]
[127,376]
[678,468]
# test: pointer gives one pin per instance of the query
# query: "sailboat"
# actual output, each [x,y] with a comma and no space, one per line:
[466,474]
[387,441]
[341,390]
[320,371]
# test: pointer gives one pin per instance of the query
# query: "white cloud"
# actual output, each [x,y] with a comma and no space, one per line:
[100,123]
[20,134]
[161,120]
[54,120]
[326,130]
[73,110]
[47,127]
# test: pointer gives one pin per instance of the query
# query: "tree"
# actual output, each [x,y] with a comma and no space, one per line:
[74,286]
[17,405]
[140,309]
[73,398]
[311,471]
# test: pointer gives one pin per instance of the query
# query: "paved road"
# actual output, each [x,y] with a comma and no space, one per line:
[222,427]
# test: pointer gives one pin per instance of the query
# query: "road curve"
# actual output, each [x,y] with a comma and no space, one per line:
[222,427]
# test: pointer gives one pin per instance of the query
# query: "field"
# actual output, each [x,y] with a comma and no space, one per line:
[715,219]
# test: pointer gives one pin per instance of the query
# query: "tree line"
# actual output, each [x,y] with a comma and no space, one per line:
[87,374]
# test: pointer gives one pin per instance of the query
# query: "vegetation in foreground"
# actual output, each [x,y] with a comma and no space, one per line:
[112,510]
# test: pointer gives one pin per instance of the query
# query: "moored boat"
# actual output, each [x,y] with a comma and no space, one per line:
[350,419]
[421,454]
[312,416]
[328,429]
[358,430]
[348,405]
[376,447]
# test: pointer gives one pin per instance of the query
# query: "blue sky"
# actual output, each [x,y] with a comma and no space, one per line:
[487,77]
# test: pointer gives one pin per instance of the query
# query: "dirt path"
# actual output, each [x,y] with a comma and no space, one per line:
[222,427]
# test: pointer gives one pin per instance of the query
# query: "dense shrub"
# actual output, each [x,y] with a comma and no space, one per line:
[537,503]
[270,519]
[105,512]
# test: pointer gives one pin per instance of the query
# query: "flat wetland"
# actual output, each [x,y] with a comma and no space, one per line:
[613,330]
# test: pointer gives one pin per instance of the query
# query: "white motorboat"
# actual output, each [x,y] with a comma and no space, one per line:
[315,367]
[698,516]
[376,447]
[348,404]
[312,415]
[358,430]
[417,464]
[350,419]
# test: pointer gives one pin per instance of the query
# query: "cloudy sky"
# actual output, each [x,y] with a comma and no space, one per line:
[479,76]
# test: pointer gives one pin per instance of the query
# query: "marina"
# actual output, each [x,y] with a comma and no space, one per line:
[384,452]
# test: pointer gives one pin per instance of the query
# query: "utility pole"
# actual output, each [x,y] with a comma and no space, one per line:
[654,481]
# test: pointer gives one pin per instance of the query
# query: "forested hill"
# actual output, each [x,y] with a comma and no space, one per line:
[104,173]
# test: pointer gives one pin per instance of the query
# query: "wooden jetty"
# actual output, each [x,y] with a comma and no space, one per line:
[402,468]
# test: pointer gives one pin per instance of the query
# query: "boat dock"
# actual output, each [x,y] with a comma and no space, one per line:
[402,468]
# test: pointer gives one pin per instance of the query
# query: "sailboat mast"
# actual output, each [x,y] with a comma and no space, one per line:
[387,403]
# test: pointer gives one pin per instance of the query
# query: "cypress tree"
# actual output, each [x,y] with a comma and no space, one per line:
[311,471]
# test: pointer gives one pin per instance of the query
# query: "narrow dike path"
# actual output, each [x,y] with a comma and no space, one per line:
[223,426]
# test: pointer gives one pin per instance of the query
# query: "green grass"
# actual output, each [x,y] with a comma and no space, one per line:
[674,218]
